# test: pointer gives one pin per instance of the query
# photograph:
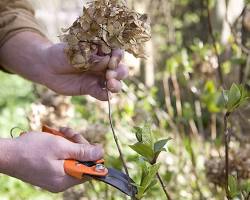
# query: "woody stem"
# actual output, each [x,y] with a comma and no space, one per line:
[116,139]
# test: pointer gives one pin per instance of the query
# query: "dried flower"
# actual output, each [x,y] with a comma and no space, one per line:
[106,25]
[239,165]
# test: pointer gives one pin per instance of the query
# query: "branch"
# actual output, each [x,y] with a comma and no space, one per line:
[245,49]
[210,29]
[227,140]
[117,141]
[163,186]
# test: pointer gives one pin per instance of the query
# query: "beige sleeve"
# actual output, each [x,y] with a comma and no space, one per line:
[16,16]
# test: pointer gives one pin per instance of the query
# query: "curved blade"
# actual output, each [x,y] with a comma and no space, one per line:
[120,181]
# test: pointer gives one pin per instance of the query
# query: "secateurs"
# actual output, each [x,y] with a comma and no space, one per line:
[97,171]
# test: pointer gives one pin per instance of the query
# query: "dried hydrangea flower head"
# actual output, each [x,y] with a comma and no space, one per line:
[106,25]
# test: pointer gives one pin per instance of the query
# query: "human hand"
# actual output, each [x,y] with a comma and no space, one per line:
[38,158]
[65,79]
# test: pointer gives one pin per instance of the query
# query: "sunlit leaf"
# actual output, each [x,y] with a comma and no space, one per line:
[138,133]
[159,145]
[234,96]
[148,179]
[144,150]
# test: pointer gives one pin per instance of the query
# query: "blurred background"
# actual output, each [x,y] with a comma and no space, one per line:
[197,47]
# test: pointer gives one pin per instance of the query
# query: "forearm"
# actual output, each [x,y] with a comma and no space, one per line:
[23,54]
[6,155]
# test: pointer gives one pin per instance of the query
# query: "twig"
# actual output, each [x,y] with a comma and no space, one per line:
[117,141]
[210,29]
[227,140]
[163,186]
[245,49]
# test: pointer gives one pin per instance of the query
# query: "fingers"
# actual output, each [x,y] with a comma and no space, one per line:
[68,182]
[73,136]
[114,85]
[85,152]
[64,181]
[99,63]
[120,73]
[114,76]
[117,55]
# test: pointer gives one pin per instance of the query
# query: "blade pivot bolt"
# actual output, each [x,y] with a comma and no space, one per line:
[100,167]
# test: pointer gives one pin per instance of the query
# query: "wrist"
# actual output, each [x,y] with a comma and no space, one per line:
[7,155]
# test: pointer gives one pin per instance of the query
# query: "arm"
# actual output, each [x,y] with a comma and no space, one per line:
[6,154]
[23,54]
[35,58]
[24,50]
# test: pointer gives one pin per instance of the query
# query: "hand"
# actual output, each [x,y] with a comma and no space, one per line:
[38,158]
[65,79]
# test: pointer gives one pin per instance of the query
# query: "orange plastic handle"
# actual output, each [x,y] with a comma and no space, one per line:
[77,170]
[74,168]
[53,132]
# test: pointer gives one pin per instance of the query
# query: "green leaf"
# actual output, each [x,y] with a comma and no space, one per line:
[152,184]
[138,133]
[144,150]
[233,186]
[152,170]
[147,179]
[234,97]
[159,145]
[225,94]
[147,135]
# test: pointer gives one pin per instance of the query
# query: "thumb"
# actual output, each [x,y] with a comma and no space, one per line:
[86,152]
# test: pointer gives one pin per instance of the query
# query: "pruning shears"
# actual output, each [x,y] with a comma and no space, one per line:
[96,170]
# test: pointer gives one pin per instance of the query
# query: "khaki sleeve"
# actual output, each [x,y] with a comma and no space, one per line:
[16,16]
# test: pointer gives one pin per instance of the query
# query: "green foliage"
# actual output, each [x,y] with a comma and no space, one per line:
[210,97]
[146,147]
[149,150]
[147,178]
[235,97]
[144,150]
[233,186]
[245,186]
[183,58]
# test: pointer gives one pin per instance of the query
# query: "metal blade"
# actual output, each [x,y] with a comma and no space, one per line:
[119,180]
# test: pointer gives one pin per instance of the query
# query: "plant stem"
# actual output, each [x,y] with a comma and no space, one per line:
[227,140]
[163,186]
[116,140]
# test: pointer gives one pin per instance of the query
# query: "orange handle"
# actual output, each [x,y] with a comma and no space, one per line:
[53,132]
[74,168]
